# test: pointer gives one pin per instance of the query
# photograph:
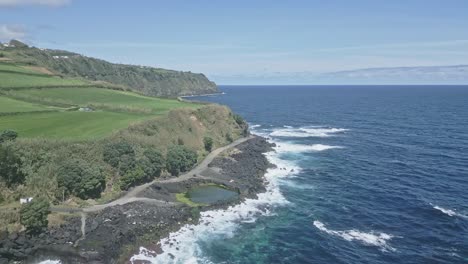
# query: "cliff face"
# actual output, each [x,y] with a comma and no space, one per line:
[146,80]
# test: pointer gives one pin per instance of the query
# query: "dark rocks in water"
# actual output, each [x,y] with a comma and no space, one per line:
[19,246]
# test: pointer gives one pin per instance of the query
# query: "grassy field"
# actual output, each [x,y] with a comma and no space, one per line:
[8,105]
[105,98]
[69,125]
[16,68]
[14,80]
[13,76]
[114,109]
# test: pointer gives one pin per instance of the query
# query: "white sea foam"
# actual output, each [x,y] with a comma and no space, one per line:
[303,132]
[298,148]
[49,261]
[219,224]
[449,212]
[372,238]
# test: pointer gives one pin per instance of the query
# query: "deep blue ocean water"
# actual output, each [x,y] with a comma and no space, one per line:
[372,174]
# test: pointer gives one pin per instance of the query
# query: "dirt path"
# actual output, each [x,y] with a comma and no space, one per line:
[130,196]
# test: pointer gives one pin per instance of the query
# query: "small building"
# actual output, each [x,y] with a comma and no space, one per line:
[25,200]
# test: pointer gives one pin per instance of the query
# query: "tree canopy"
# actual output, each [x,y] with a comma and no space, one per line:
[10,167]
[180,159]
[208,142]
[33,215]
[81,178]
[6,135]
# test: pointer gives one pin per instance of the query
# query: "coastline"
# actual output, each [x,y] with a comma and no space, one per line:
[243,168]
[114,234]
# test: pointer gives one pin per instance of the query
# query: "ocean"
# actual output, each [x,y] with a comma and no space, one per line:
[365,174]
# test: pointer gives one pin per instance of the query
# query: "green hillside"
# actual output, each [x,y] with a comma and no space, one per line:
[68,125]
[17,76]
[8,105]
[36,103]
[146,80]
[101,98]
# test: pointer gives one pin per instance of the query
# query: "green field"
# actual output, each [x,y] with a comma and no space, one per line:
[104,98]
[8,105]
[16,68]
[13,76]
[15,80]
[112,109]
[68,125]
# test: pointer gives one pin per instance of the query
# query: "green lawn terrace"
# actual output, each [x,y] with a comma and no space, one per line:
[14,75]
[34,109]
[100,99]
[71,125]
[86,113]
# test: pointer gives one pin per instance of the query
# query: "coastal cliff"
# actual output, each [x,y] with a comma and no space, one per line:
[143,79]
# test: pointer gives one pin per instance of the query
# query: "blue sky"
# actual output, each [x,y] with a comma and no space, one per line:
[224,38]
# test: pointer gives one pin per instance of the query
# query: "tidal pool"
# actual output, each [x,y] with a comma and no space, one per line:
[209,194]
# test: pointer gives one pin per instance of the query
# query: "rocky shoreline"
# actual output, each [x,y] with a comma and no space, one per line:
[114,234]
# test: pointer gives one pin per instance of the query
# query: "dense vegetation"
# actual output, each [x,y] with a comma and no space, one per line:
[74,170]
[70,140]
[147,80]
[180,159]
[34,214]
[208,142]
[10,167]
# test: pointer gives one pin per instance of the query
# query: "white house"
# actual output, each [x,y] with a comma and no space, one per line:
[25,200]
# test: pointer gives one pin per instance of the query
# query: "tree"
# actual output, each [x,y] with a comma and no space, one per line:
[132,178]
[229,137]
[33,215]
[239,120]
[180,159]
[10,167]
[156,162]
[114,152]
[8,135]
[208,143]
[81,179]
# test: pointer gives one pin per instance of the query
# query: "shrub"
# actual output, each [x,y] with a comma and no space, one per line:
[33,215]
[239,120]
[114,152]
[8,135]
[180,159]
[81,179]
[229,138]
[132,178]
[156,162]
[208,143]
[10,167]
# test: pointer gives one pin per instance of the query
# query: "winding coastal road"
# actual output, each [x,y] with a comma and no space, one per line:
[131,196]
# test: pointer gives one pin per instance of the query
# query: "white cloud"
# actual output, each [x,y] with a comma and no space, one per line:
[8,32]
[52,3]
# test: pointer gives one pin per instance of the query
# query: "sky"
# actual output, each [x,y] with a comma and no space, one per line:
[238,38]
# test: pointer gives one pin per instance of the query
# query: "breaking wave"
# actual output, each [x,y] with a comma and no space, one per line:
[449,212]
[182,246]
[298,148]
[371,239]
[304,132]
